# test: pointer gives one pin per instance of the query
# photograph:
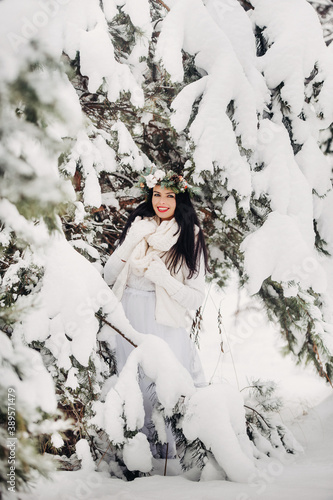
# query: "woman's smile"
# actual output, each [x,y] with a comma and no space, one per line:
[164,202]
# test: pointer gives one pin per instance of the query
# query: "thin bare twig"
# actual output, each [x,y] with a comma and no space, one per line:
[104,454]
[249,408]
[115,328]
[164,5]
[166,459]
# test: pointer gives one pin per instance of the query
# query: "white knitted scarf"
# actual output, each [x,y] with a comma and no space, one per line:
[151,246]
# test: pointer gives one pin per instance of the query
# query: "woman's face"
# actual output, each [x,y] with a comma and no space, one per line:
[164,202]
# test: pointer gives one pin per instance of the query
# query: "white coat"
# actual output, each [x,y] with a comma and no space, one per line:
[175,292]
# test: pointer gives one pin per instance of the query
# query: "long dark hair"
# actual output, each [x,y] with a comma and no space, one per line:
[189,246]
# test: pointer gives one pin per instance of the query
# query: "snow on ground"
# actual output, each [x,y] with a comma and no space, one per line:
[251,349]
[307,477]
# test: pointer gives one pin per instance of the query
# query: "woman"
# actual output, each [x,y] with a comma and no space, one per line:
[158,270]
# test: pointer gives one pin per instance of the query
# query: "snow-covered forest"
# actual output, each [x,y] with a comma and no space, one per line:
[237,96]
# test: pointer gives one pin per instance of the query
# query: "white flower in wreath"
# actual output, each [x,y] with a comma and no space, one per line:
[159,174]
[151,181]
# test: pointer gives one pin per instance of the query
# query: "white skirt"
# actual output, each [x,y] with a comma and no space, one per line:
[139,307]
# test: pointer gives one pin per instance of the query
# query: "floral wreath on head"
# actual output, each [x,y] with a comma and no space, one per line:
[153,176]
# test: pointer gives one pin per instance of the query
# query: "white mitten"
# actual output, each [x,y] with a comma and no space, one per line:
[138,230]
[158,273]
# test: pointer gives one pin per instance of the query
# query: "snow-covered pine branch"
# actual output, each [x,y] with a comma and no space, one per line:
[213,133]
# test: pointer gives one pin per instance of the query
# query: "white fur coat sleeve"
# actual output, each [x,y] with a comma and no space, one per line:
[188,292]
[191,294]
[114,265]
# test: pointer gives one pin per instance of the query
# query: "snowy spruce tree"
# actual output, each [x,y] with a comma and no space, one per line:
[223,138]
[235,94]
[31,197]
[325,13]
